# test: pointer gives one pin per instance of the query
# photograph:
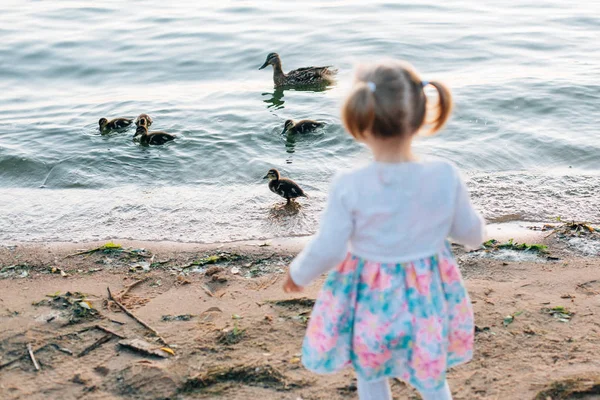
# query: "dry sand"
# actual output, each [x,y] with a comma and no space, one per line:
[240,335]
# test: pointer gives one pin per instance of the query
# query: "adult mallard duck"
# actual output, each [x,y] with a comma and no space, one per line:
[117,123]
[146,117]
[299,77]
[303,126]
[286,188]
[154,138]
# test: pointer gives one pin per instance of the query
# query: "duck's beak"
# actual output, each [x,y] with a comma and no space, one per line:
[266,176]
[264,65]
[284,131]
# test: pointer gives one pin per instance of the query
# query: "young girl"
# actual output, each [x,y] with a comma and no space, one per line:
[395,305]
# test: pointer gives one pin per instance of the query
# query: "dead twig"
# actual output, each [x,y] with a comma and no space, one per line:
[61,349]
[126,311]
[106,330]
[95,345]
[131,286]
[22,356]
[207,291]
[30,351]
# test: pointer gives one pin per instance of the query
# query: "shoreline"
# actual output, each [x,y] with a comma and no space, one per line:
[235,334]
[517,230]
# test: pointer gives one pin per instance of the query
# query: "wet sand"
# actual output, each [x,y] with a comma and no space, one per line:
[236,335]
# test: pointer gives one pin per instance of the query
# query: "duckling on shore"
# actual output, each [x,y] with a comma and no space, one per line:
[303,126]
[299,77]
[113,124]
[145,117]
[286,188]
[150,138]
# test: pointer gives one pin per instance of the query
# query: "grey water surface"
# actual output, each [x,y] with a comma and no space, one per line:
[525,76]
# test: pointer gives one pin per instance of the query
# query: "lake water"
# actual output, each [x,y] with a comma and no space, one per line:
[525,75]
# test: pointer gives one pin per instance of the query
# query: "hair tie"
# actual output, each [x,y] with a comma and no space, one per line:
[424,83]
[372,86]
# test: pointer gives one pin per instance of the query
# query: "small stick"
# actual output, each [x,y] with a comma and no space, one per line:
[131,286]
[95,345]
[207,290]
[117,322]
[61,349]
[2,366]
[30,351]
[126,311]
[106,330]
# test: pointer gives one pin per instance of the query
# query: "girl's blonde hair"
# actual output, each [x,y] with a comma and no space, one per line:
[389,100]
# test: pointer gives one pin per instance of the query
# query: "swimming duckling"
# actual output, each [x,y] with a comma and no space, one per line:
[301,76]
[304,126]
[154,138]
[143,116]
[117,123]
[286,188]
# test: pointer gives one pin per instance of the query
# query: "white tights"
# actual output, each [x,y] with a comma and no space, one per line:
[380,390]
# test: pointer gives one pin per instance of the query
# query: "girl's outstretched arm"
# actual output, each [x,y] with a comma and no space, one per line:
[330,245]
[468,226]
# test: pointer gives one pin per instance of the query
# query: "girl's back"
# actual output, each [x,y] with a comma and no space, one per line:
[405,211]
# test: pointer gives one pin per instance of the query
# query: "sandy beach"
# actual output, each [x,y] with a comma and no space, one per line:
[227,330]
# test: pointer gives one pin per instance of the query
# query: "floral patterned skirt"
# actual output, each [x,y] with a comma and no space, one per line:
[410,321]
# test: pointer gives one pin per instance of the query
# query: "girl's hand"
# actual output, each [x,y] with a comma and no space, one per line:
[289,286]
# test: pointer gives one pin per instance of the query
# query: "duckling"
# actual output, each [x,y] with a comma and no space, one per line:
[304,126]
[155,138]
[286,188]
[143,116]
[117,123]
[301,76]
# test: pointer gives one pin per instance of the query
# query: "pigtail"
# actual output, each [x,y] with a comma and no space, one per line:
[444,107]
[358,112]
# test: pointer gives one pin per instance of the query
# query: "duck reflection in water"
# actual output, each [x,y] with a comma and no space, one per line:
[275,99]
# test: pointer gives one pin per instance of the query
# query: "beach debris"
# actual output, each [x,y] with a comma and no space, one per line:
[574,228]
[479,329]
[588,287]
[300,301]
[575,387]
[182,280]
[493,244]
[235,271]
[61,349]
[560,313]
[207,291]
[231,336]
[168,350]
[106,330]
[141,266]
[183,317]
[75,308]
[95,345]
[32,356]
[218,278]
[249,374]
[62,273]
[295,360]
[127,288]
[126,311]
[509,319]
[141,346]
[214,259]
[111,247]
